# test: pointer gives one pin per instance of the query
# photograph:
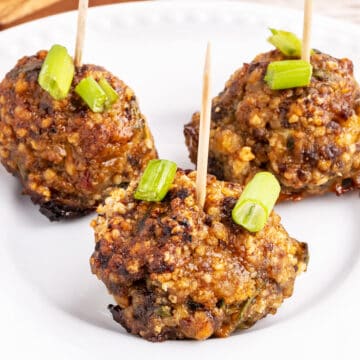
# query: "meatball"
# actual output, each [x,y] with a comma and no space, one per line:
[177,271]
[308,137]
[66,156]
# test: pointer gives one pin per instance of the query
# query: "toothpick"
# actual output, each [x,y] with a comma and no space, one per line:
[305,52]
[80,35]
[204,132]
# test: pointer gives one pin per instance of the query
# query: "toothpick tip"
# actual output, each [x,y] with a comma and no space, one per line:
[204,131]
[80,34]
[306,49]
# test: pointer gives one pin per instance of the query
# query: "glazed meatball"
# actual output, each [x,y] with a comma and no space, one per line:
[308,137]
[66,156]
[177,271]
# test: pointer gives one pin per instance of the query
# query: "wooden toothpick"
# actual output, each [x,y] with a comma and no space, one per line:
[204,132]
[305,52]
[80,35]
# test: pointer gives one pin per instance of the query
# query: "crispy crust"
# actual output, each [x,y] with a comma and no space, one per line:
[178,272]
[56,212]
[307,137]
[67,157]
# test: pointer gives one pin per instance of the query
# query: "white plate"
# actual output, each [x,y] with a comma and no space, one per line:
[51,307]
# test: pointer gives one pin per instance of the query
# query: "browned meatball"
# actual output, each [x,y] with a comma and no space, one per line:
[67,157]
[177,271]
[308,137]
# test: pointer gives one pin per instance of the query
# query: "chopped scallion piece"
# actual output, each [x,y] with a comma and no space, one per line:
[156,180]
[92,93]
[288,74]
[57,72]
[287,42]
[256,202]
[111,94]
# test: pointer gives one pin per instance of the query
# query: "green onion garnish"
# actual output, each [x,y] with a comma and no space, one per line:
[287,42]
[156,180]
[111,94]
[92,93]
[256,202]
[57,72]
[288,74]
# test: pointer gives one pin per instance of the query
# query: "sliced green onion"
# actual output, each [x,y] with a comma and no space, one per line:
[92,93]
[256,202]
[111,94]
[156,180]
[287,42]
[57,72]
[288,74]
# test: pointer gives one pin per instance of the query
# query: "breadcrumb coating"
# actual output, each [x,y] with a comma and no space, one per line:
[177,271]
[308,137]
[67,157]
